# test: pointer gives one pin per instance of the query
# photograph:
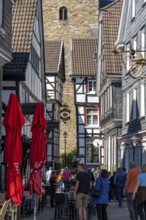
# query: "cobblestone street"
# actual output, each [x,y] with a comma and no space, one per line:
[114,213]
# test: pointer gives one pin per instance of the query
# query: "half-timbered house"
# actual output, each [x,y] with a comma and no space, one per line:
[25,74]
[5,57]
[83,73]
[55,76]
[109,86]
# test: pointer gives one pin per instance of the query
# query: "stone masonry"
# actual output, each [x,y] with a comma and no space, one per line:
[82,18]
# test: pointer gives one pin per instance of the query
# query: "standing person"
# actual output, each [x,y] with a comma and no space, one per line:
[48,174]
[140,189]
[66,177]
[129,189]
[120,179]
[53,182]
[101,202]
[82,188]
[91,176]
[112,188]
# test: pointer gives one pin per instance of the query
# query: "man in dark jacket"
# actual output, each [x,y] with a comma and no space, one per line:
[120,179]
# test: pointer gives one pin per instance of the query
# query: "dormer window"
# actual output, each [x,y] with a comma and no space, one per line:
[63,13]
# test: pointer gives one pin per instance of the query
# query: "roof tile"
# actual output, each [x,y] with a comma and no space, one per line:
[52,56]
[22,24]
[82,57]
[111,19]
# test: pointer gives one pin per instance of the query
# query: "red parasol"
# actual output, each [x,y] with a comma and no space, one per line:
[13,122]
[37,148]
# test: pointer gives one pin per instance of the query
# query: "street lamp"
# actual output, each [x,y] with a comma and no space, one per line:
[65,134]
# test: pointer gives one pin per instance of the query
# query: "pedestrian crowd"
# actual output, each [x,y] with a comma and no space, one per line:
[101,187]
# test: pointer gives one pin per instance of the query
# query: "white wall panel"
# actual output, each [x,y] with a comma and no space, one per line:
[80,110]
[82,160]
[79,88]
[92,99]
[6,95]
[81,129]
[51,78]
[8,83]
[95,131]
[82,142]
[81,119]
[88,130]
[79,80]
[80,98]
[49,149]
[81,150]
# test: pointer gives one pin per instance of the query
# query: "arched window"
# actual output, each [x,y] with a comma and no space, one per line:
[63,13]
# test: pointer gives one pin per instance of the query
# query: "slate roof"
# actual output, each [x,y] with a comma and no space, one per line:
[110,22]
[53,52]
[17,67]
[83,63]
[23,15]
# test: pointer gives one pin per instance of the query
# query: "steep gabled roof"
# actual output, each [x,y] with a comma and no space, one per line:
[120,41]
[53,52]
[110,22]
[23,16]
[83,62]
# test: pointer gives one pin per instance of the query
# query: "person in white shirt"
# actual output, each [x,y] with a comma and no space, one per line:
[48,174]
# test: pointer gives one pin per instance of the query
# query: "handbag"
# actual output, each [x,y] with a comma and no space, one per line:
[96,193]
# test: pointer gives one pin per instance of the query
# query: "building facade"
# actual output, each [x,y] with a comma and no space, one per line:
[109,83]
[83,73]
[132,36]
[25,75]
[5,57]
[64,20]
[55,77]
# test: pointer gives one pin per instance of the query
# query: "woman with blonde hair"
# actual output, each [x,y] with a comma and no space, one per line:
[101,202]
[139,194]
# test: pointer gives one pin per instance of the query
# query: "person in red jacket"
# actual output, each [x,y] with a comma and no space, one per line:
[66,177]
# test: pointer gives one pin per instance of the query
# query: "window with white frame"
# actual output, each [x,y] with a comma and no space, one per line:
[134,105]
[91,86]
[108,98]
[92,117]
[128,56]
[35,60]
[110,91]
[133,8]
[127,107]
[135,43]
[92,153]
[1,13]
[102,104]
[142,100]
[143,41]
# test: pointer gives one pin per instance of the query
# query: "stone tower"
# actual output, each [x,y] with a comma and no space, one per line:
[81,22]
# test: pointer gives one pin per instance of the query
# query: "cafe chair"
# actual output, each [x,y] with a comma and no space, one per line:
[60,205]
[4,209]
[26,208]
